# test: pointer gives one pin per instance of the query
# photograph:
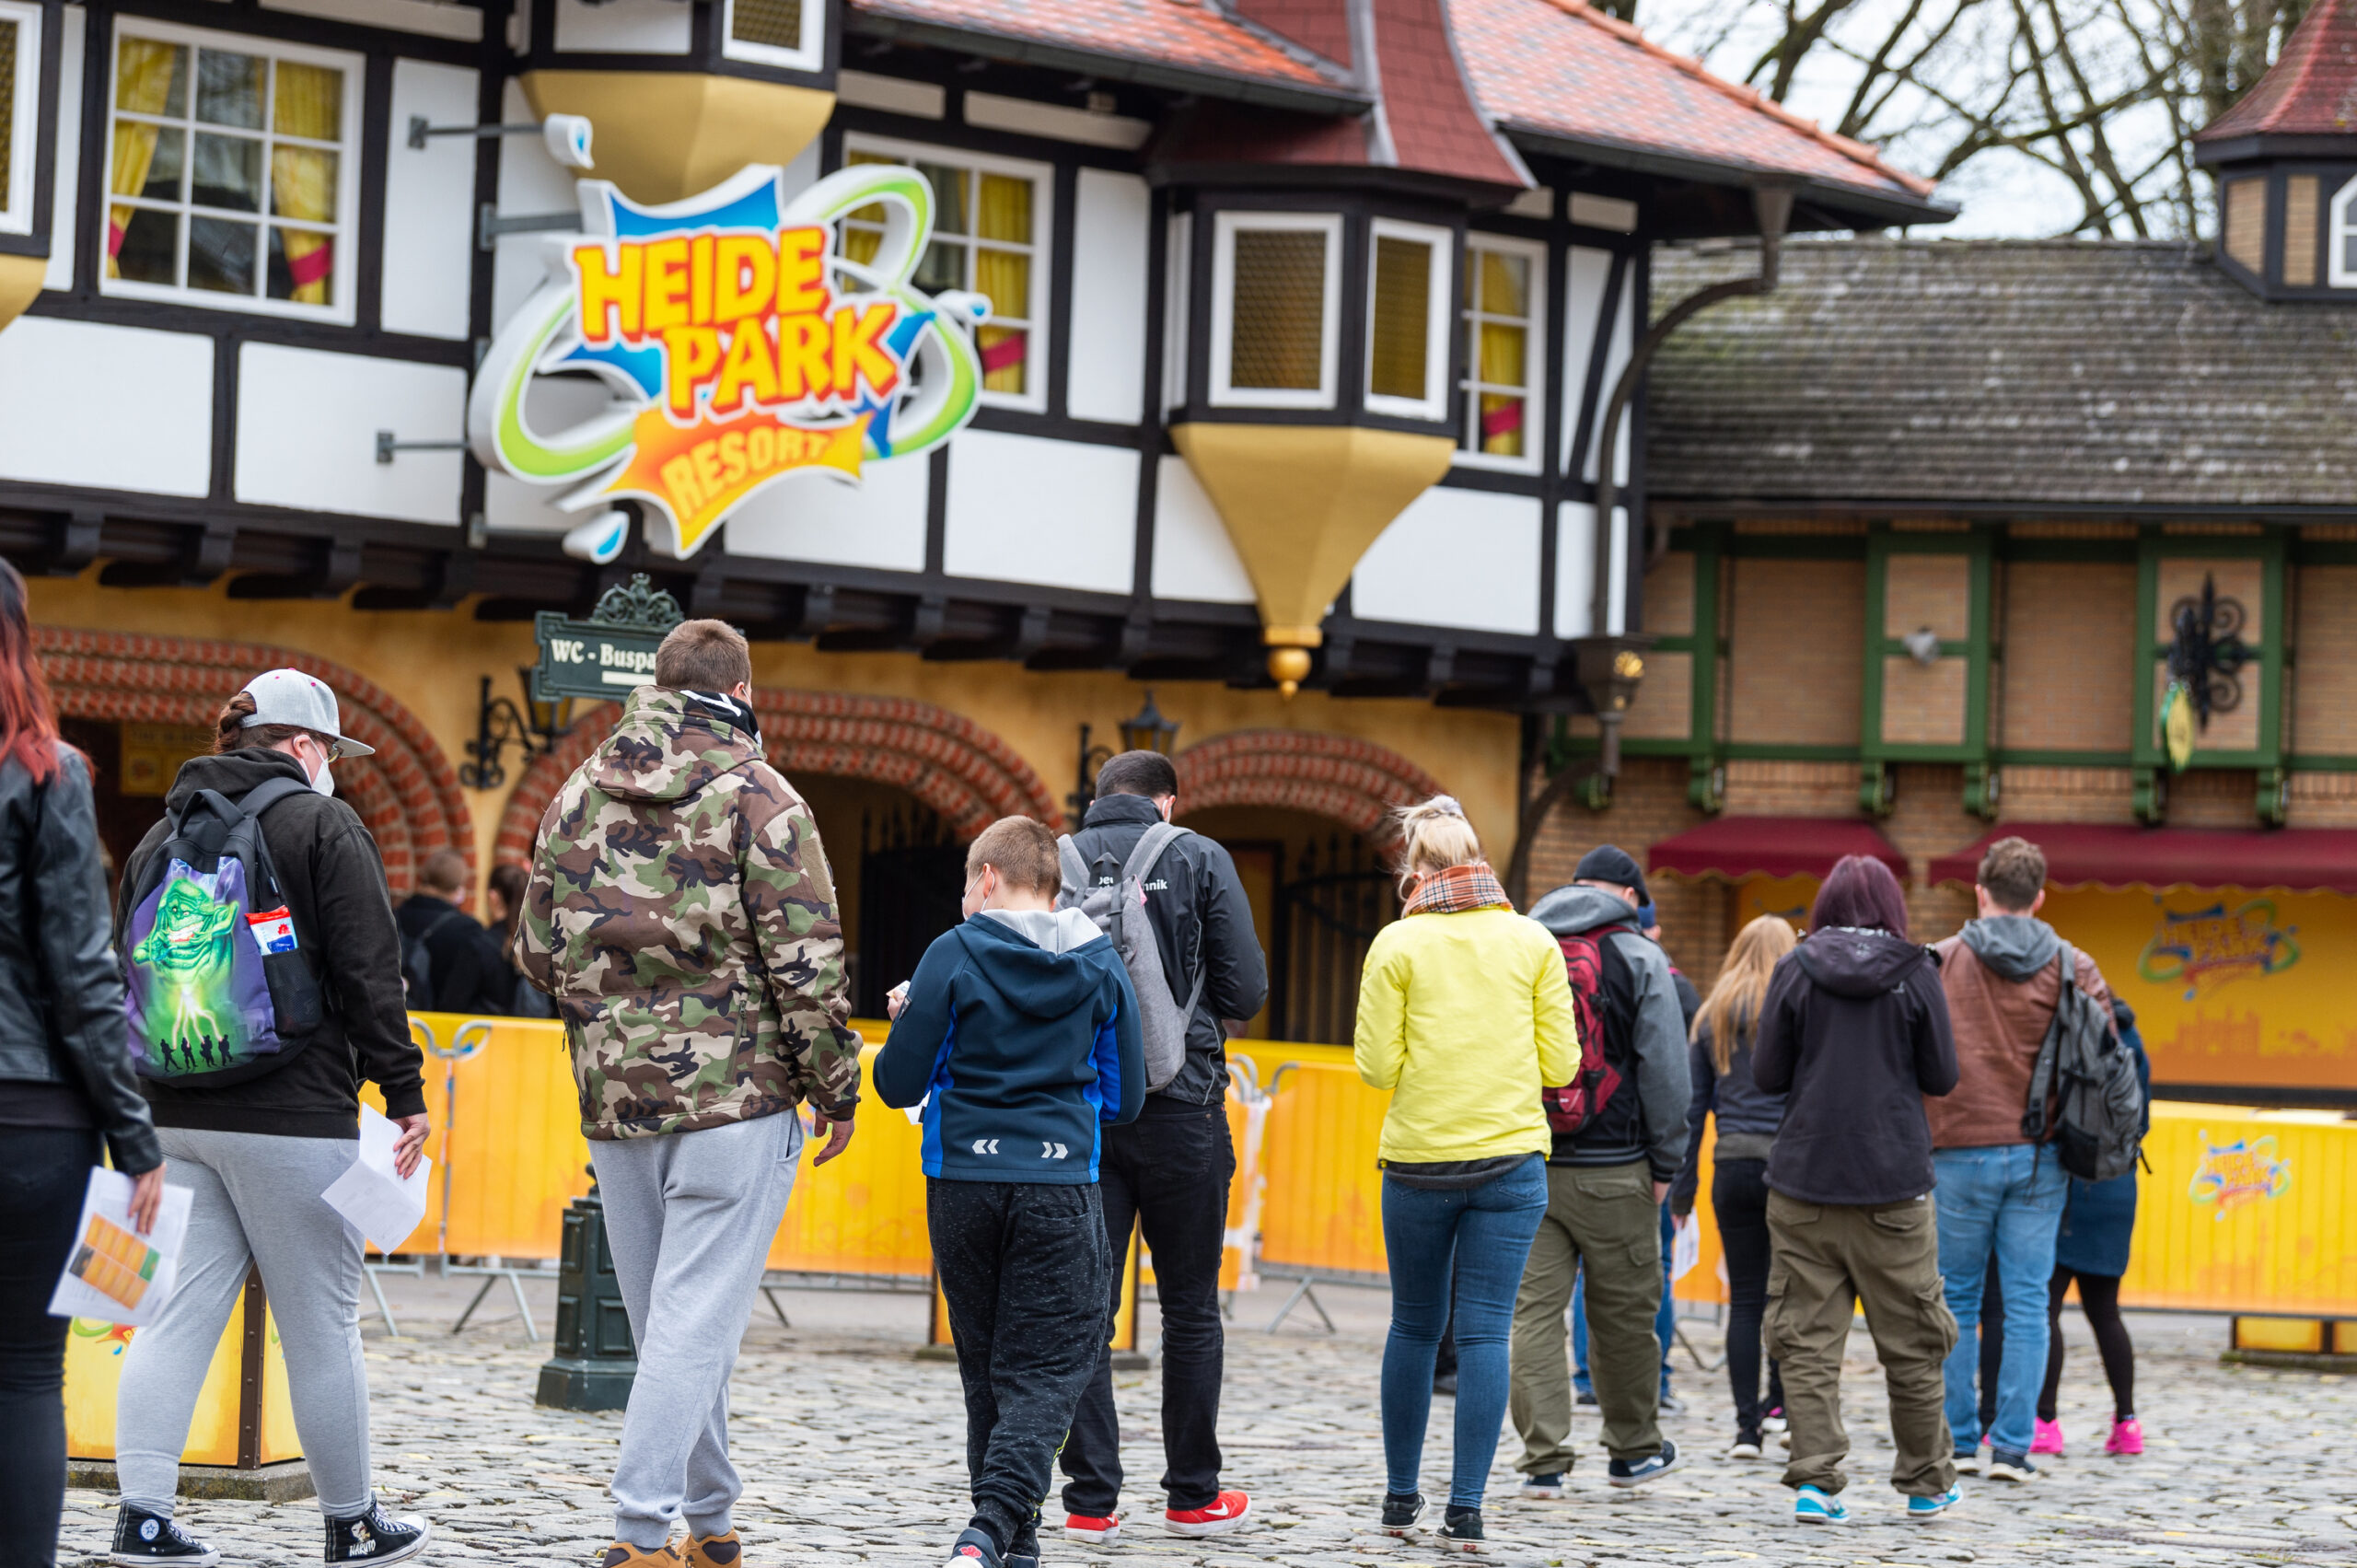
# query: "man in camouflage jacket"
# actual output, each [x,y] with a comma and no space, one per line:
[682,914]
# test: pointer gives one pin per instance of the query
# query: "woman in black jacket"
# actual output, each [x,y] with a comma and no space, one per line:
[1854,1033]
[66,1078]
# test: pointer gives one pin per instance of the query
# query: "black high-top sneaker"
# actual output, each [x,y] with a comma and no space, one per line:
[143,1539]
[375,1537]
[1461,1530]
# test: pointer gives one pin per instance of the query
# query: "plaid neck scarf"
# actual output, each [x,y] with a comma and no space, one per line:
[1457,889]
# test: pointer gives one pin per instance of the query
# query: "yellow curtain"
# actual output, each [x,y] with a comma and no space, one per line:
[1503,362]
[1004,278]
[302,180]
[860,244]
[143,73]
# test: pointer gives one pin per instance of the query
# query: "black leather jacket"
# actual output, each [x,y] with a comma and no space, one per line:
[61,990]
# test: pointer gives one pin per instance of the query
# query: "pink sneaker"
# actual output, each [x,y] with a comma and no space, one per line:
[2127,1438]
[2047,1438]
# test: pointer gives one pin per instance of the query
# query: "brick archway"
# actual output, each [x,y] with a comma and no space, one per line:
[1355,783]
[955,766]
[407,794]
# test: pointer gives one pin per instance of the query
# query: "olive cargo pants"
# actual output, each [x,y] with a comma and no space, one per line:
[1829,1260]
[1603,1219]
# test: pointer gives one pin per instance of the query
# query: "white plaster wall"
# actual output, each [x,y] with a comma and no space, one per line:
[429,204]
[1111,221]
[1575,568]
[1455,558]
[438,18]
[307,433]
[878,522]
[1624,333]
[57,378]
[529,181]
[1585,273]
[66,224]
[1026,510]
[1194,557]
[627,27]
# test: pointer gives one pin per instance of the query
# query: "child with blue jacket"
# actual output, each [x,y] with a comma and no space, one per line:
[1019,1036]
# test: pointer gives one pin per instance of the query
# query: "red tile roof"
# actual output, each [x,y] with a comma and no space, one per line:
[1184,33]
[2312,88]
[1562,67]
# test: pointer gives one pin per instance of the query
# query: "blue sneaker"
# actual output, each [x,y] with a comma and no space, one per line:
[975,1550]
[1813,1506]
[1922,1508]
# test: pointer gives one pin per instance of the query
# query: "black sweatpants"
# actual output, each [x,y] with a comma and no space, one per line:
[1022,1268]
[2099,1299]
[43,1174]
[1167,1172]
[1739,1200]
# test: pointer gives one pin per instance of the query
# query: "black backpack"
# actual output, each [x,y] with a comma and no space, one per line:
[217,988]
[417,964]
[2097,1126]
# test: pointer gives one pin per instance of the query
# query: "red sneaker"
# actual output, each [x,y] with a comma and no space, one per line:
[1088,1527]
[1225,1512]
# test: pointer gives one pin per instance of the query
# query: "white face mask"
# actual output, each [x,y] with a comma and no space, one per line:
[324,780]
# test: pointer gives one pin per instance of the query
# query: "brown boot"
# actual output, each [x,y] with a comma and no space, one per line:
[622,1554]
[715,1552]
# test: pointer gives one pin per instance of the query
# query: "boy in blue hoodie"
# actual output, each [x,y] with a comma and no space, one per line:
[1019,1035]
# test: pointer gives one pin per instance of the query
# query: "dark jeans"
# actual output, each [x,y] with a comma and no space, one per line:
[2099,1299]
[1467,1243]
[1023,1269]
[1168,1174]
[1739,1198]
[43,1174]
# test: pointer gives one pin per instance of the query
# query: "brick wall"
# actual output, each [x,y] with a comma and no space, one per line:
[2323,674]
[2070,633]
[1648,805]
[2214,797]
[1928,820]
[2067,795]
[1799,633]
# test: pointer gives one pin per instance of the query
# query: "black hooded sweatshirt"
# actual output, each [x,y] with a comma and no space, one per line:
[1853,1033]
[333,877]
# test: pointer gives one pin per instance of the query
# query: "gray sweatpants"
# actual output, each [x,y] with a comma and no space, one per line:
[257,1198]
[689,1217]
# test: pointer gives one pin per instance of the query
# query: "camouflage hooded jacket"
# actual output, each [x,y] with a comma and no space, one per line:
[682,914]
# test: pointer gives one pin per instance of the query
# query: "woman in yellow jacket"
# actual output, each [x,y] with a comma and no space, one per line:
[1464,1012]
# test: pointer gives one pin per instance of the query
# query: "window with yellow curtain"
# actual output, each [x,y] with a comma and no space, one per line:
[1500,312]
[227,170]
[10,206]
[986,237]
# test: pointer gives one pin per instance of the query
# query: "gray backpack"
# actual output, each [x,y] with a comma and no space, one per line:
[1119,913]
[2097,1128]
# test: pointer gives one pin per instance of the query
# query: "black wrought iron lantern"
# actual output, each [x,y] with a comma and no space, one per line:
[1148,730]
[2205,660]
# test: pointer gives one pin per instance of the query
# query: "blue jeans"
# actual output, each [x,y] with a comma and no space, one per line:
[2004,1202]
[1664,1320]
[1481,1235]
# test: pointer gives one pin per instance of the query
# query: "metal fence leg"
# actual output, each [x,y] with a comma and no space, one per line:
[1305,1291]
[488,1281]
[771,1292]
[524,1308]
[384,1307]
[1699,1362]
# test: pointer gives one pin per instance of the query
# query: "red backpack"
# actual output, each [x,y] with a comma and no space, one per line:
[1573,1106]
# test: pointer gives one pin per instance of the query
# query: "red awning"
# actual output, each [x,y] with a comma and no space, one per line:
[2082,855]
[1771,846]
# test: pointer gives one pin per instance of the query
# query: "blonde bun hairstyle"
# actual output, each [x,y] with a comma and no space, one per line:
[1434,836]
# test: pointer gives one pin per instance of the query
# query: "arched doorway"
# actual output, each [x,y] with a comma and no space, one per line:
[140,705]
[1306,816]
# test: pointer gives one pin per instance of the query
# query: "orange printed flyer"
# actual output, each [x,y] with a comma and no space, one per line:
[114,1274]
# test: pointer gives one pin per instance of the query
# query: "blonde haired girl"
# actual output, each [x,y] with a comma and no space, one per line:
[1464,1012]
[1748,1117]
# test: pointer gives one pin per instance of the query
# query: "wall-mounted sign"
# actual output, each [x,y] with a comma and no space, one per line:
[607,656]
[743,340]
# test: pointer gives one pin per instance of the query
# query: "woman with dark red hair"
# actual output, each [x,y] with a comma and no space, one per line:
[1854,1033]
[66,1078]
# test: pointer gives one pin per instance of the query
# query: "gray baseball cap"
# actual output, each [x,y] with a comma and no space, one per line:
[289,696]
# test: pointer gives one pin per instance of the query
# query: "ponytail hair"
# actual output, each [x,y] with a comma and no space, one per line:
[28,718]
[1434,836]
[233,734]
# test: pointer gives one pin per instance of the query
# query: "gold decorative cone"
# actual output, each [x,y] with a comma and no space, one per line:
[662,135]
[1302,503]
[20,285]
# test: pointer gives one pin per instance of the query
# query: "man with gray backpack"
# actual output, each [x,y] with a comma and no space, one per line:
[1167,1172]
[2032,1019]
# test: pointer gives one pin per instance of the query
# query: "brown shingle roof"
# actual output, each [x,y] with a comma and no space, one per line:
[2015,373]
[2311,90]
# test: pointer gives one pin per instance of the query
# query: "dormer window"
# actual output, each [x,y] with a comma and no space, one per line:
[1407,334]
[785,33]
[1276,300]
[2244,222]
[2341,238]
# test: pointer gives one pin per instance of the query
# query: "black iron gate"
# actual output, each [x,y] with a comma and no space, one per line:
[911,877]
[1328,912]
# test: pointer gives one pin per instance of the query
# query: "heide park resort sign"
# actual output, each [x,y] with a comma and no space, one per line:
[745,339]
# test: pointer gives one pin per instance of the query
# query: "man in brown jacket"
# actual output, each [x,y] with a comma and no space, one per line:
[2000,1196]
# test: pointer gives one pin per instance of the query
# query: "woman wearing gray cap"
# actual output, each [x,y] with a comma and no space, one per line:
[264,980]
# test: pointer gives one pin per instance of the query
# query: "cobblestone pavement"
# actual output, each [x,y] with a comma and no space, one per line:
[853,1453]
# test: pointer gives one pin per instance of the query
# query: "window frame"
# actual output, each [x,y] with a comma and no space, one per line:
[343,307]
[24,132]
[1534,418]
[1440,298]
[1221,390]
[2340,212]
[1042,179]
[811,55]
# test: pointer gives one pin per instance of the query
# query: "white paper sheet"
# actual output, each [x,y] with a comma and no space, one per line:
[378,1203]
[115,1275]
[1685,1249]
